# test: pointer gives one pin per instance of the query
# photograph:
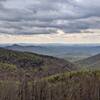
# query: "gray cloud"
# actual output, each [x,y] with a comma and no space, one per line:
[48,16]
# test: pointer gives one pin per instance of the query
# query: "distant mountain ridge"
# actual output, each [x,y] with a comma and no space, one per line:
[68,52]
[30,48]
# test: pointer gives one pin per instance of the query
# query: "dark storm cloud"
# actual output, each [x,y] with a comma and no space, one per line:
[48,16]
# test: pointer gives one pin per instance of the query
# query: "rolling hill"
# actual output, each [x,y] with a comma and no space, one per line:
[90,62]
[41,64]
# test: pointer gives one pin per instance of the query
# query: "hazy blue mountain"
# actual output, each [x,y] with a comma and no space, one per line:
[69,52]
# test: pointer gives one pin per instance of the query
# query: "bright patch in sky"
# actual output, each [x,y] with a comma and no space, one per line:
[59,37]
[78,0]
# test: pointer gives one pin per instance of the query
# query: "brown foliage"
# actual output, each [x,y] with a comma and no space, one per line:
[80,86]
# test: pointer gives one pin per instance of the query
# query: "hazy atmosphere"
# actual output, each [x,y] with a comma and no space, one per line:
[49,49]
[49,21]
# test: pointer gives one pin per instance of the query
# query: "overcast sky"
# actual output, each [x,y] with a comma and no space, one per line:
[43,21]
